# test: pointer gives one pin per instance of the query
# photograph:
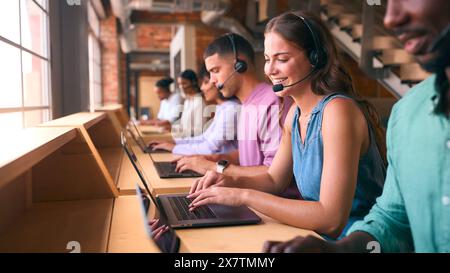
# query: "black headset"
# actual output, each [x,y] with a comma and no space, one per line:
[240,66]
[317,56]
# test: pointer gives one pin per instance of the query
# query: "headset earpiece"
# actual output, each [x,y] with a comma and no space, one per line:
[240,66]
[314,58]
[317,57]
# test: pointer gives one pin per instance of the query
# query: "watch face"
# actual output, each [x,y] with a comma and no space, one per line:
[223,162]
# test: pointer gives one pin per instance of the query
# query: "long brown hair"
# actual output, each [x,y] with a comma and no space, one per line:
[331,77]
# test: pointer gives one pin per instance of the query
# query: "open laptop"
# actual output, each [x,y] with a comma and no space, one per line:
[165,169]
[137,137]
[176,206]
[160,232]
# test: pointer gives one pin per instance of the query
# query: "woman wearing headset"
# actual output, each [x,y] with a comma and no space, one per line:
[192,120]
[332,140]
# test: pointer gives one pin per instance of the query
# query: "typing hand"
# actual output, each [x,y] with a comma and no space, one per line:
[148,122]
[152,144]
[157,233]
[218,195]
[211,179]
[310,244]
[196,163]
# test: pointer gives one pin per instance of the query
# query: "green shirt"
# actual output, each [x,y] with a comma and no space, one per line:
[413,213]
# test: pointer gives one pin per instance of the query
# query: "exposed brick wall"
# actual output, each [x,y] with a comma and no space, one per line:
[203,36]
[111,83]
[154,36]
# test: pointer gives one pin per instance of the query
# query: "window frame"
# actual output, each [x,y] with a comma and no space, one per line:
[25,109]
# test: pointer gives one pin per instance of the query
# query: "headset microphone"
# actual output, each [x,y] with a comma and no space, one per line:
[221,85]
[279,87]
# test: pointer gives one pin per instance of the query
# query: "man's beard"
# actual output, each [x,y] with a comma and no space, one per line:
[441,47]
[440,62]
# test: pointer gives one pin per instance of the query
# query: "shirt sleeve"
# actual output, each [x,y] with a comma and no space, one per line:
[269,132]
[387,221]
[213,140]
[174,109]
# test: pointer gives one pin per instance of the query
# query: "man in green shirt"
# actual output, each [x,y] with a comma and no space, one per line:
[413,213]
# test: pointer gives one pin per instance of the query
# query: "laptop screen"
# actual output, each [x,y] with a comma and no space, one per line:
[157,225]
[134,131]
[134,161]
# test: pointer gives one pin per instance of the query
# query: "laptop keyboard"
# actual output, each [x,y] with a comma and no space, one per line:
[180,206]
[168,168]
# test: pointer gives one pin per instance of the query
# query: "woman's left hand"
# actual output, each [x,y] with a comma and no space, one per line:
[218,195]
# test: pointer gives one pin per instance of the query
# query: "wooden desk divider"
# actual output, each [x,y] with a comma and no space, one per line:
[102,133]
[54,192]
[118,111]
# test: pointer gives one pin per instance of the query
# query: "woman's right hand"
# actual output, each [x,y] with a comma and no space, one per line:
[211,179]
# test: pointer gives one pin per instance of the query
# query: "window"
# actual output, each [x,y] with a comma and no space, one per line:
[95,76]
[24,69]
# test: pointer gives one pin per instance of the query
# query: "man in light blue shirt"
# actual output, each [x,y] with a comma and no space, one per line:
[169,107]
[413,213]
[221,135]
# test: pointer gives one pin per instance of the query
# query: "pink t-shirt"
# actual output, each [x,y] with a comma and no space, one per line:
[259,130]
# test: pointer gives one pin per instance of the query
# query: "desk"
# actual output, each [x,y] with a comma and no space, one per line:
[249,238]
[127,228]
[129,235]
[154,136]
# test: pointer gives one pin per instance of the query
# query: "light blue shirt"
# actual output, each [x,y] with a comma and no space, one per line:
[413,213]
[168,109]
[219,138]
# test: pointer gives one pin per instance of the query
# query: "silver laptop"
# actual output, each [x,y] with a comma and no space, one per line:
[176,206]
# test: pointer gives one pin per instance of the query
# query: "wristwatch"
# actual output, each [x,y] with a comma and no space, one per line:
[221,165]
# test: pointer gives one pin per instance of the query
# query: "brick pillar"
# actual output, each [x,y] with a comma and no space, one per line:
[111,82]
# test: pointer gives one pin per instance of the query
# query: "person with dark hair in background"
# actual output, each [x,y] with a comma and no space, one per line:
[230,59]
[332,143]
[168,112]
[192,119]
[220,137]
[413,213]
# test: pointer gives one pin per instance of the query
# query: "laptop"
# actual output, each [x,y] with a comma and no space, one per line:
[137,137]
[165,169]
[176,206]
[159,232]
